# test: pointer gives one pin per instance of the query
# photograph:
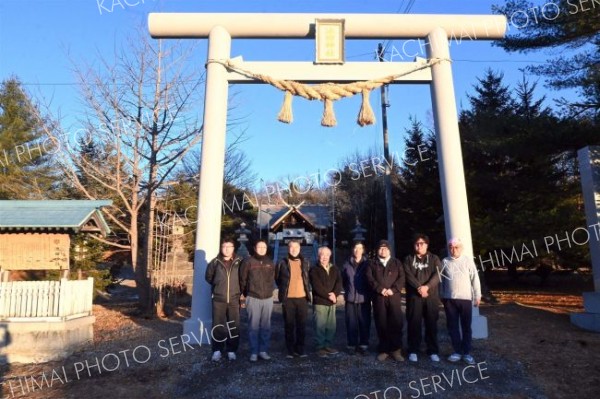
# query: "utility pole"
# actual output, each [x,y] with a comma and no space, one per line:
[333,221]
[386,153]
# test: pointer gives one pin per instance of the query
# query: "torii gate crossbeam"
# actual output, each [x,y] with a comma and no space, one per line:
[220,28]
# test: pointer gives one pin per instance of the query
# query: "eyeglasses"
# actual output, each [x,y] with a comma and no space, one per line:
[226,246]
[421,243]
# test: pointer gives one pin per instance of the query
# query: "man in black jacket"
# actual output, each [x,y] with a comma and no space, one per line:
[326,282]
[222,273]
[386,278]
[257,276]
[291,276]
[422,298]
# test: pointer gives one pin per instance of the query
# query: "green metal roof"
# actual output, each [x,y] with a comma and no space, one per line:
[54,214]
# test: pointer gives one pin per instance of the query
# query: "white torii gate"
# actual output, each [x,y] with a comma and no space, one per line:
[221,28]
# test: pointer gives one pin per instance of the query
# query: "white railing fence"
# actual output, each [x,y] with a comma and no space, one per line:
[64,299]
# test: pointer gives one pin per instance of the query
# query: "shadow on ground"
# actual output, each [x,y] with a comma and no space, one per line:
[532,352]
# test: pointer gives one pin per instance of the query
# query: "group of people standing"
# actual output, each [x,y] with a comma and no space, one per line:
[369,286]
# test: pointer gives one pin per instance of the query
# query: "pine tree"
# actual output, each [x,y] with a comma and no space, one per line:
[520,167]
[573,31]
[24,154]
[419,202]
[485,133]
[362,197]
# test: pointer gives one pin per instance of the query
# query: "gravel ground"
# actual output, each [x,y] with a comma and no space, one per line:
[173,373]
[533,352]
[351,376]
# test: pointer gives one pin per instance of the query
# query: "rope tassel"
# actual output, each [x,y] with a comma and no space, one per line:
[328,114]
[286,115]
[365,115]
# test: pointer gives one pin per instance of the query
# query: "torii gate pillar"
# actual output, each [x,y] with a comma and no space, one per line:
[450,165]
[208,225]
[220,28]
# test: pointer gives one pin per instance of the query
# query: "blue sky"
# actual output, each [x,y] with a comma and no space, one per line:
[38,38]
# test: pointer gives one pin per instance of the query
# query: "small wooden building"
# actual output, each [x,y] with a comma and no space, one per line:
[44,320]
[35,235]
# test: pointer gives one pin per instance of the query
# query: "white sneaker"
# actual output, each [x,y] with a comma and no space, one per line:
[216,356]
[469,359]
[413,357]
[455,357]
[264,356]
[434,358]
[231,356]
[253,357]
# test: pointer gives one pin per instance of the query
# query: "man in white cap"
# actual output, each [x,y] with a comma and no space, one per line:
[459,290]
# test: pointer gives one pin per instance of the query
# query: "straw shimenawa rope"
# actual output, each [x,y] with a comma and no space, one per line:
[326,92]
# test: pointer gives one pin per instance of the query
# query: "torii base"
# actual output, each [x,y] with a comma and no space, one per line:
[590,319]
[479,325]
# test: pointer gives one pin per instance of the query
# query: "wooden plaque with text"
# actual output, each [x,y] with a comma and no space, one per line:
[34,251]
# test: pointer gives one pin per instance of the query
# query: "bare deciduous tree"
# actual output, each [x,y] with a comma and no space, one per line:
[238,168]
[141,110]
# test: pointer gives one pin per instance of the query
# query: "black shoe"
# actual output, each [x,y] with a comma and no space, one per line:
[300,355]
[361,351]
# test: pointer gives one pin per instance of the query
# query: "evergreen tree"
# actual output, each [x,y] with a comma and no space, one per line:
[87,255]
[485,133]
[362,197]
[25,171]
[418,205]
[520,168]
[573,31]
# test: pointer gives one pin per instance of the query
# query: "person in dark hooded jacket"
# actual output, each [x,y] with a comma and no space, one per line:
[222,273]
[257,277]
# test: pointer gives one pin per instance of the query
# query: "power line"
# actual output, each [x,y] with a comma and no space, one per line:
[360,55]
[94,84]
[409,6]
[501,61]
[352,56]
[399,7]
[407,9]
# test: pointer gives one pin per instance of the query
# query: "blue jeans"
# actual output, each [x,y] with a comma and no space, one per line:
[259,320]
